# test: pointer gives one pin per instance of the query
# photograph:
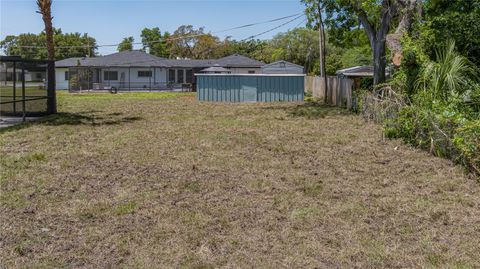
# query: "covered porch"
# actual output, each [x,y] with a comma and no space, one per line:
[128,79]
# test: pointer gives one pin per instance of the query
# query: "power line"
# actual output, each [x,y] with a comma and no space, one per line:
[257,23]
[180,37]
[272,29]
[304,20]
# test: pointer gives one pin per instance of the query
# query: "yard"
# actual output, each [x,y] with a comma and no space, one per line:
[160,180]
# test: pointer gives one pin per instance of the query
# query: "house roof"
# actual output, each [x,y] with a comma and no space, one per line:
[357,71]
[136,58]
[188,63]
[133,58]
[278,63]
[72,62]
[237,60]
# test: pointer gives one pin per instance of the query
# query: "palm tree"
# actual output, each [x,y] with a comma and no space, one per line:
[451,74]
[45,8]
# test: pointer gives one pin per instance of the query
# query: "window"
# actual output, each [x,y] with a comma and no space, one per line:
[189,76]
[251,71]
[171,75]
[180,76]
[110,75]
[144,74]
[38,75]
[66,75]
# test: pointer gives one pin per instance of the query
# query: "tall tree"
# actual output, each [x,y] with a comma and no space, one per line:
[154,42]
[183,41]
[206,47]
[45,9]
[375,17]
[32,46]
[126,44]
[452,19]
[315,8]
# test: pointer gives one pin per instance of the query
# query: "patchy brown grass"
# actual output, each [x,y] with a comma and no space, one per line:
[161,180]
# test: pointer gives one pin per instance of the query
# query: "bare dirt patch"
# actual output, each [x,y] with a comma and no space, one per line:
[156,180]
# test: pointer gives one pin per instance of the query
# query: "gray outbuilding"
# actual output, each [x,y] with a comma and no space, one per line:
[282,67]
[250,87]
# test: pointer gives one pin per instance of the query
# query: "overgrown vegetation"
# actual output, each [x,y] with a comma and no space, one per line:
[433,100]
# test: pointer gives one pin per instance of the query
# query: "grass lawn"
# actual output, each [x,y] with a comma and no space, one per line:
[30,90]
[160,180]
[32,106]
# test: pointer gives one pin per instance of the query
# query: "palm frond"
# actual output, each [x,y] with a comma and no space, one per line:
[450,74]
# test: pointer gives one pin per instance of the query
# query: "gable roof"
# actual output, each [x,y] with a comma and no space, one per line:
[237,60]
[278,63]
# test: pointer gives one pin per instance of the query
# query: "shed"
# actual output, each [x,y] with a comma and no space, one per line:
[357,73]
[282,67]
[250,87]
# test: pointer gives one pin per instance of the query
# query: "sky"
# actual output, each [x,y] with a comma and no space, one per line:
[109,21]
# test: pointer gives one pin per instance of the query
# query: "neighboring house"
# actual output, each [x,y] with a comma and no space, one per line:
[134,70]
[282,67]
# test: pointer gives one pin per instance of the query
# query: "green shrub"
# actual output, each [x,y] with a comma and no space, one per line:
[467,141]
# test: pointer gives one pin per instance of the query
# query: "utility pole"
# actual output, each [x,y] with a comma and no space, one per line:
[321,41]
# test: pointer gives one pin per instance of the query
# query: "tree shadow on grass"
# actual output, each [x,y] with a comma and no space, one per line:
[80,118]
[311,110]
[86,119]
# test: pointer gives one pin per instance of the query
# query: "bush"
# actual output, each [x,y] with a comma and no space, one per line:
[467,141]
[443,130]
[434,105]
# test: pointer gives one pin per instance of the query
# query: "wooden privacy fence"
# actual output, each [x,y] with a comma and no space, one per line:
[339,92]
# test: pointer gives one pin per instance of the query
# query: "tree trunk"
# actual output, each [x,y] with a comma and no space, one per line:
[379,62]
[377,37]
[44,8]
[323,69]
[410,9]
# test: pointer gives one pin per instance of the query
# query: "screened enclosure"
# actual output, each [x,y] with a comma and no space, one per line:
[27,87]
[125,79]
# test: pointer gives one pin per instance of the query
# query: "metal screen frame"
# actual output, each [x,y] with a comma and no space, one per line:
[23,99]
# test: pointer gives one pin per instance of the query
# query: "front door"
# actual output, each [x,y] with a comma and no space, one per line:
[249,89]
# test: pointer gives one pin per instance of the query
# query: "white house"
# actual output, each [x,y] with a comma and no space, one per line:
[136,70]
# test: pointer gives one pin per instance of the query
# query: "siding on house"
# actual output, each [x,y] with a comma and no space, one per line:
[129,76]
[60,82]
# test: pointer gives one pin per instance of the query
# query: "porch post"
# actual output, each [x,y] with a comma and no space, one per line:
[14,77]
[23,94]
[129,89]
